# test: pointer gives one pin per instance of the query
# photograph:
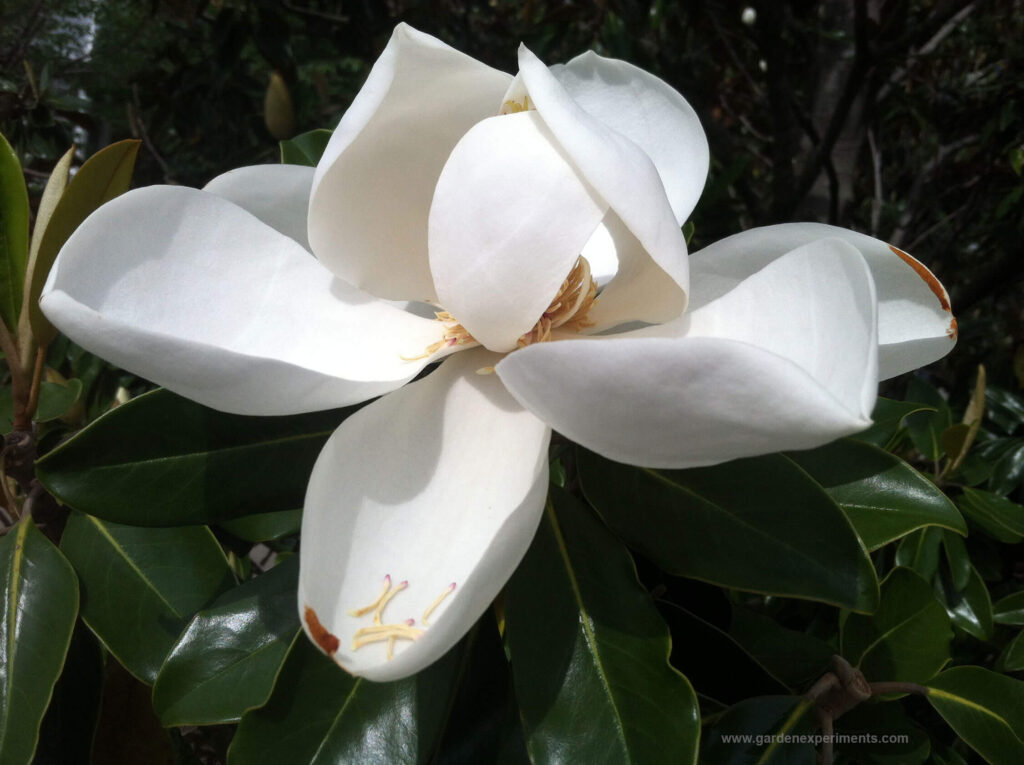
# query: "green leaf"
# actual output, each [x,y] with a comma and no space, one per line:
[1010,610]
[306,148]
[906,639]
[1012,659]
[105,175]
[264,527]
[883,496]
[985,709]
[1004,408]
[759,524]
[971,609]
[957,558]
[997,516]
[40,605]
[226,660]
[162,460]
[140,587]
[1008,471]
[926,428]
[888,417]
[796,658]
[920,551]
[761,719]
[14,215]
[876,720]
[320,715]
[583,634]
[56,399]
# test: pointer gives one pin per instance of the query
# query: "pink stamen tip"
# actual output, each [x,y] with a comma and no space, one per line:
[410,622]
[451,587]
[451,342]
[387,578]
[403,584]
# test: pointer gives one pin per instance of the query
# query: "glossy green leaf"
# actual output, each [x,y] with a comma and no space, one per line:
[105,175]
[764,722]
[906,639]
[306,148]
[985,709]
[971,609]
[40,605]
[264,527]
[920,551]
[582,634]
[320,715]
[140,586]
[226,660]
[795,658]
[1008,471]
[888,417]
[1012,659]
[1004,408]
[997,516]
[14,215]
[759,524]
[881,494]
[926,428]
[56,399]
[867,724]
[957,559]
[1010,610]
[162,460]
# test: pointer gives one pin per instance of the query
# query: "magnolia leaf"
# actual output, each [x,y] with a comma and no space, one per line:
[140,586]
[881,494]
[985,709]
[920,551]
[226,660]
[887,418]
[906,639]
[305,148]
[863,726]
[958,439]
[766,730]
[162,460]
[765,526]
[583,634]
[14,216]
[926,428]
[320,715]
[997,516]
[1008,471]
[1004,409]
[105,175]
[1012,658]
[796,658]
[264,527]
[957,558]
[971,608]
[1010,610]
[57,399]
[39,605]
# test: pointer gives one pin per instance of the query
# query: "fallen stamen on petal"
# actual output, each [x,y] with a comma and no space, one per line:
[455,334]
[384,633]
[441,597]
[375,604]
[379,611]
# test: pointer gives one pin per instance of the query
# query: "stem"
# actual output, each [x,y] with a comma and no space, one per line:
[12,504]
[37,379]
[19,380]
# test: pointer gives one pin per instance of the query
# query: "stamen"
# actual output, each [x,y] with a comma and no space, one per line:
[385,632]
[373,606]
[485,371]
[514,107]
[379,611]
[455,334]
[436,603]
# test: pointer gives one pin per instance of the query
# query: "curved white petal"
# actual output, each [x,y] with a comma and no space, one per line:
[276,194]
[784,361]
[651,114]
[188,290]
[441,482]
[915,322]
[509,219]
[373,186]
[626,179]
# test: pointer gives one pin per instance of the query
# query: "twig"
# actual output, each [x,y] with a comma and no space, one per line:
[876,165]
[37,379]
[139,127]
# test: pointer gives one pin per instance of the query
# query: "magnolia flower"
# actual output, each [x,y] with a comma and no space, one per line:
[540,216]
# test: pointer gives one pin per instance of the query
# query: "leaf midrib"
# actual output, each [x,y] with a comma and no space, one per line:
[13,588]
[337,718]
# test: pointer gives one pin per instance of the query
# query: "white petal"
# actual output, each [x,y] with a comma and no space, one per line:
[650,113]
[439,483]
[785,361]
[510,217]
[627,179]
[276,194]
[374,183]
[915,323]
[188,290]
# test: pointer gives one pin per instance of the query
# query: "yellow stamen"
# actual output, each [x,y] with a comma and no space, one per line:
[436,603]
[514,107]
[387,632]
[375,604]
[379,611]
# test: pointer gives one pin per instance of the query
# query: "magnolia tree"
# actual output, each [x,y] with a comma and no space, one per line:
[456,442]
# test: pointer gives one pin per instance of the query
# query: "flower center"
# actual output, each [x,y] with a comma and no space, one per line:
[513,106]
[568,310]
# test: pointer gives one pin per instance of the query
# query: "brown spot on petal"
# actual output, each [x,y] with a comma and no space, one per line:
[953,331]
[321,635]
[929,279]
